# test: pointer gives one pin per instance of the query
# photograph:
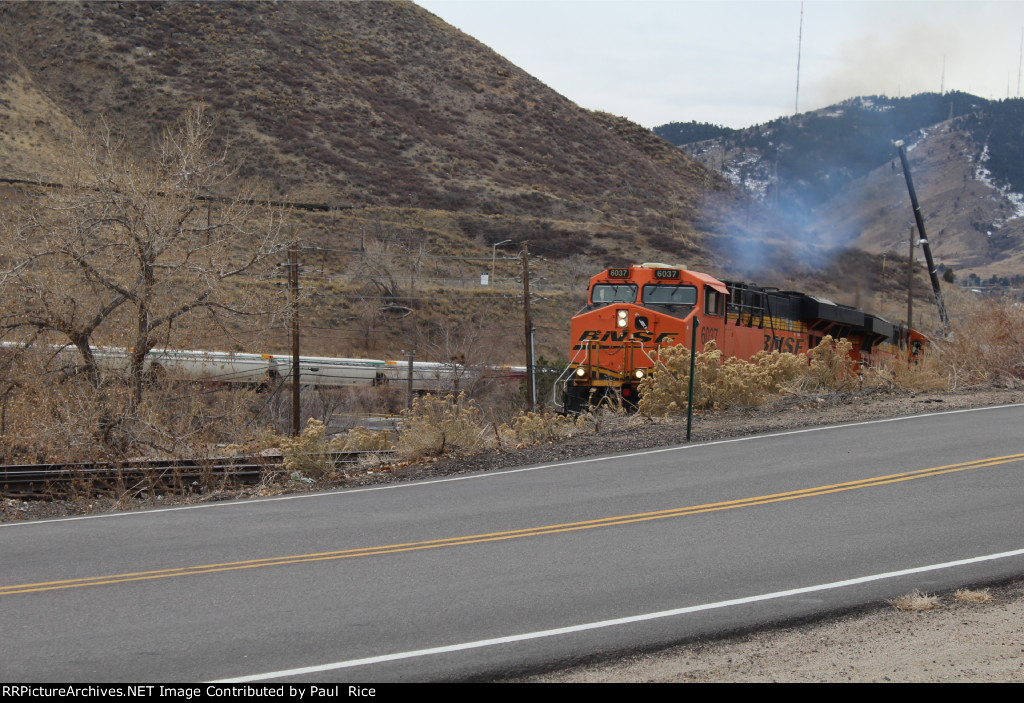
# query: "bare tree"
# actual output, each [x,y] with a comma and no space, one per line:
[133,247]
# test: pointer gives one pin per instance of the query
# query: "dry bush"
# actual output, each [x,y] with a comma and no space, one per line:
[436,425]
[926,374]
[47,415]
[985,344]
[725,382]
[360,439]
[665,390]
[915,602]
[967,595]
[830,365]
[309,453]
[533,428]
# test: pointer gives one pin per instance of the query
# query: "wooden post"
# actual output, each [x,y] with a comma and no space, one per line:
[528,322]
[293,285]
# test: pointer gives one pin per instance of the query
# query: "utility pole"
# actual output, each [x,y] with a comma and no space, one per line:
[919,218]
[910,281]
[408,380]
[293,286]
[530,391]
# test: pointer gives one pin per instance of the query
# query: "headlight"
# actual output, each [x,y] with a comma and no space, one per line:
[639,373]
[621,318]
[581,371]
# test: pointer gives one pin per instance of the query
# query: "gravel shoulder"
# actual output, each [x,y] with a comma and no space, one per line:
[955,641]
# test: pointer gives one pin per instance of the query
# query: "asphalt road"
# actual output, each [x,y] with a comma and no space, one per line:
[500,573]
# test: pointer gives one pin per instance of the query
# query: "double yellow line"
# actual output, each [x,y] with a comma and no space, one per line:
[511,534]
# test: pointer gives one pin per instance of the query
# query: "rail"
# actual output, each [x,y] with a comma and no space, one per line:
[36,481]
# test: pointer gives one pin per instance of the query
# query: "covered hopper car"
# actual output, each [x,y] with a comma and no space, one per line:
[633,312]
[241,368]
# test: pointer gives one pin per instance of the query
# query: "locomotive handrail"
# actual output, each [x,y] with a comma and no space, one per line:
[564,376]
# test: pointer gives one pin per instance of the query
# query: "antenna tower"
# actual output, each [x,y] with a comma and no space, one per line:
[799,47]
[1020,61]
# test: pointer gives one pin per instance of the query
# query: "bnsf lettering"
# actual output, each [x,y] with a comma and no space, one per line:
[783,344]
[599,336]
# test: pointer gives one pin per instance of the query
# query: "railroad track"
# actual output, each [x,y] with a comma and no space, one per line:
[34,481]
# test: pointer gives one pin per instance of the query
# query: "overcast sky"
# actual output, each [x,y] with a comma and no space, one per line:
[734,62]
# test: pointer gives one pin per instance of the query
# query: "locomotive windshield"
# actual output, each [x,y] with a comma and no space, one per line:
[670,295]
[604,293]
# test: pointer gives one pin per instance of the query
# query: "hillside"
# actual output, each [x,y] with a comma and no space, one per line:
[835,172]
[428,148]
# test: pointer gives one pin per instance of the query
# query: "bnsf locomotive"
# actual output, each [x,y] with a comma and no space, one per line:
[633,312]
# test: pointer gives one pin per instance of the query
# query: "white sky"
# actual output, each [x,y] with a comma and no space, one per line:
[734,62]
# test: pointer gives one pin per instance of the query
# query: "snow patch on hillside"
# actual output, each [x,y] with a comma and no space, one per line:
[744,173]
[982,174]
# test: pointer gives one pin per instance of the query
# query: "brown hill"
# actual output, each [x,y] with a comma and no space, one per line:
[437,148]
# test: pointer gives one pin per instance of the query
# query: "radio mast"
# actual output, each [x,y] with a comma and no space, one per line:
[799,47]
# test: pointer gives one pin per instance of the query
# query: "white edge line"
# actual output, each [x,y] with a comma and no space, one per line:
[493,474]
[610,623]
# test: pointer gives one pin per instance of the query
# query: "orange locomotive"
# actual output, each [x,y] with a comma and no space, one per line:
[633,312]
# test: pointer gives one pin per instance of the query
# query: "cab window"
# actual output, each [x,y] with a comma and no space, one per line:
[670,295]
[603,293]
[712,302]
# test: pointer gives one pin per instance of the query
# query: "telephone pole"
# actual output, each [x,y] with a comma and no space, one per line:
[528,338]
[910,281]
[293,286]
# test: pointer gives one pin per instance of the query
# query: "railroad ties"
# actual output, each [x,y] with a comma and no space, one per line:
[175,476]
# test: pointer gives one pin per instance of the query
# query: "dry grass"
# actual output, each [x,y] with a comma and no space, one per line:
[928,374]
[986,341]
[915,602]
[967,595]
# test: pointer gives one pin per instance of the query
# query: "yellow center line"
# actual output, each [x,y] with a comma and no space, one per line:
[511,534]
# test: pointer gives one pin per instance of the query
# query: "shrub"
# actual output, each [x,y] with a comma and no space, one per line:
[360,439]
[534,428]
[719,382]
[985,344]
[830,365]
[436,425]
[309,453]
[727,382]
[926,374]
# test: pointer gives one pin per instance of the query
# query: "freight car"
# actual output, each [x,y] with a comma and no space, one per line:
[240,368]
[634,311]
[322,371]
